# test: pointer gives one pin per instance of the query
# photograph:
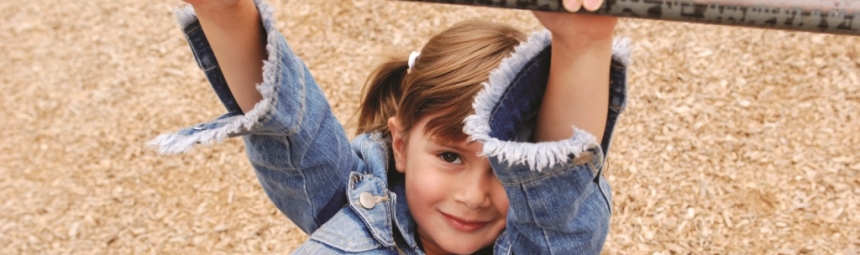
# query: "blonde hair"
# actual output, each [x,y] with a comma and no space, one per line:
[444,80]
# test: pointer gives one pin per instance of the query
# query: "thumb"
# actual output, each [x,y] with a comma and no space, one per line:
[573,5]
[592,5]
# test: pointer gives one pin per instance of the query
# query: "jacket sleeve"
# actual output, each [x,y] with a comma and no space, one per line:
[559,202]
[299,150]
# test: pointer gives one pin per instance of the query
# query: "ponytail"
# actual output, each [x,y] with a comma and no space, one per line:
[382,93]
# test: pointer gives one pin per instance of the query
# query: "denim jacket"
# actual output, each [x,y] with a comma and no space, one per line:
[337,191]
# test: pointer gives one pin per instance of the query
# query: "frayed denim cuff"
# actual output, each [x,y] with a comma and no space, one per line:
[506,110]
[287,89]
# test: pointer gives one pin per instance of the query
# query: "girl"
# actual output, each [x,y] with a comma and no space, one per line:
[464,147]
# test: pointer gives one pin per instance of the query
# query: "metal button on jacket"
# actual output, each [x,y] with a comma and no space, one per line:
[367,200]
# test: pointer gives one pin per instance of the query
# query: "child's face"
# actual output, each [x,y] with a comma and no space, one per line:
[456,200]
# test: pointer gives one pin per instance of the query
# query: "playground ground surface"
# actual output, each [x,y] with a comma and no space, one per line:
[735,141]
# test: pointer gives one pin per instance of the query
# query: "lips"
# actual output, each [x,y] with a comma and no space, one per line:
[462,224]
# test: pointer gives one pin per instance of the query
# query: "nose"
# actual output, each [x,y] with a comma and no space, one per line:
[474,189]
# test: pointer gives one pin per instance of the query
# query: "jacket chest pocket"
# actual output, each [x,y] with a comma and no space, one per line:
[345,233]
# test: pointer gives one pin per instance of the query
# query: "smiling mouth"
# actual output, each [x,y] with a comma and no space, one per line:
[464,225]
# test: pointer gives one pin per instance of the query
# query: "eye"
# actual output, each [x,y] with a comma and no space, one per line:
[450,157]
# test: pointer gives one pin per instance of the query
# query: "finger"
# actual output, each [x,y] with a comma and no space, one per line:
[592,5]
[572,5]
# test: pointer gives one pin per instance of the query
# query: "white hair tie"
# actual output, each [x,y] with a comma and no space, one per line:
[412,57]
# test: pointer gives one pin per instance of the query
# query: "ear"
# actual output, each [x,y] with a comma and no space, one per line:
[398,144]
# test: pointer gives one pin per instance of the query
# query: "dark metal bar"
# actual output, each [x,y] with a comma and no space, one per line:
[822,16]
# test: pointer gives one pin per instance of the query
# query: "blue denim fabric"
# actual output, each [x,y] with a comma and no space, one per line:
[562,209]
[316,177]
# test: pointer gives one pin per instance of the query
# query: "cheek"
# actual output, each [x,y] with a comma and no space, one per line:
[424,185]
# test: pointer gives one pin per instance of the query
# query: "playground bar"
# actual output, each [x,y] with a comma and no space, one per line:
[823,16]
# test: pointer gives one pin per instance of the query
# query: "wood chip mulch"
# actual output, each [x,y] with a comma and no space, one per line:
[735,141]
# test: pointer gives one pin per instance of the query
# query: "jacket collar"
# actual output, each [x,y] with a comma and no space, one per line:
[402,217]
[373,178]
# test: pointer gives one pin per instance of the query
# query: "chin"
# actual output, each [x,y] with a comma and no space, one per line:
[462,248]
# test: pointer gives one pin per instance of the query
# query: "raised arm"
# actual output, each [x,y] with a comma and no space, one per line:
[236,36]
[559,201]
[577,92]
[299,150]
